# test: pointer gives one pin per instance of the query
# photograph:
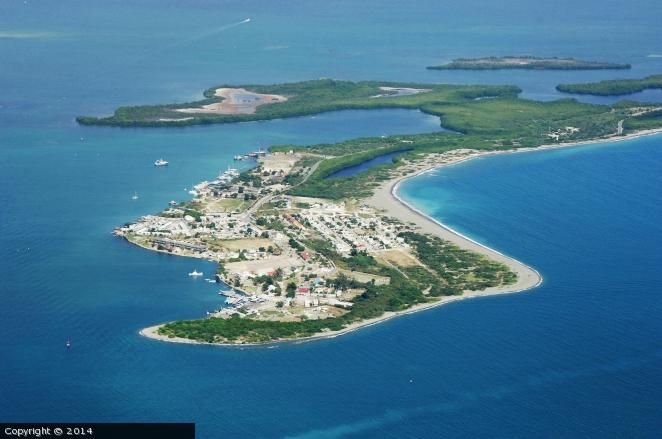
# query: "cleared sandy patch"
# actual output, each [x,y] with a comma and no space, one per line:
[246,244]
[264,266]
[393,92]
[235,101]
[279,162]
[225,205]
[399,257]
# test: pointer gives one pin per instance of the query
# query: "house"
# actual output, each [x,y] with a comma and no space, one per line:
[305,255]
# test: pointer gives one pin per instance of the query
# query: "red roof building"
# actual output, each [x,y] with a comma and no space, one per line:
[305,255]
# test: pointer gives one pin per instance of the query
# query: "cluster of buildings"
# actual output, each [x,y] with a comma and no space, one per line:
[362,230]
[159,226]
[244,238]
[312,305]
[562,132]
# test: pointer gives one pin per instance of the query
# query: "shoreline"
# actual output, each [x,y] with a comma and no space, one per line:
[385,198]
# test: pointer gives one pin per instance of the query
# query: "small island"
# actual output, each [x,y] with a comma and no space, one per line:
[305,251]
[613,87]
[528,63]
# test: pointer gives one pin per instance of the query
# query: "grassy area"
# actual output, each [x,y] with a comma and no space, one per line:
[227,205]
[613,87]
[453,270]
[526,63]
[304,98]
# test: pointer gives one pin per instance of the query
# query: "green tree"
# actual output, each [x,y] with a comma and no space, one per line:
[291,289]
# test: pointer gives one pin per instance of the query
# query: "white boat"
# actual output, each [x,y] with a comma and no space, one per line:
[239,157]
[135,196]
[258,153]
[230,173]
[161,162]
[195,273]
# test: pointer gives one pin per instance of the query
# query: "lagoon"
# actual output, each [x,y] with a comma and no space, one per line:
[353,170]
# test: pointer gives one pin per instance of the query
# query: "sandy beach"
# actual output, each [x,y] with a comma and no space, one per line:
[386,198]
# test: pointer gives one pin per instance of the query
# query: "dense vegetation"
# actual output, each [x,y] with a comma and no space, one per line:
[526,62]
[318,186]
[646,121]
[449,271]
[613,87]
[304,98]
[487,124]
[458,269]
[524,120]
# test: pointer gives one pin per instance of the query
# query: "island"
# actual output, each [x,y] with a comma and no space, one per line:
[613,87]
[528,63]
[305,251]
[228,104]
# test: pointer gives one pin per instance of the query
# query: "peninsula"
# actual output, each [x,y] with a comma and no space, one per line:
[613,87]
[526,62]
[306,253]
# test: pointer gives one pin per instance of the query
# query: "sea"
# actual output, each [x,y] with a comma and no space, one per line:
[580,356]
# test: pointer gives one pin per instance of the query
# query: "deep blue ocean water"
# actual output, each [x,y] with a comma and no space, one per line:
[580,356]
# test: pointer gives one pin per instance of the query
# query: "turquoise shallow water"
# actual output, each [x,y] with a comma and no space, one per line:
[580,356]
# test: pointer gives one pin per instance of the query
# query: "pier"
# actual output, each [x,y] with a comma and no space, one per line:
[169,243]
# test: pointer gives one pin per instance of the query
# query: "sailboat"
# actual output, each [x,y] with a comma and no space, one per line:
[68,344]
[135,196]
[195,273]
